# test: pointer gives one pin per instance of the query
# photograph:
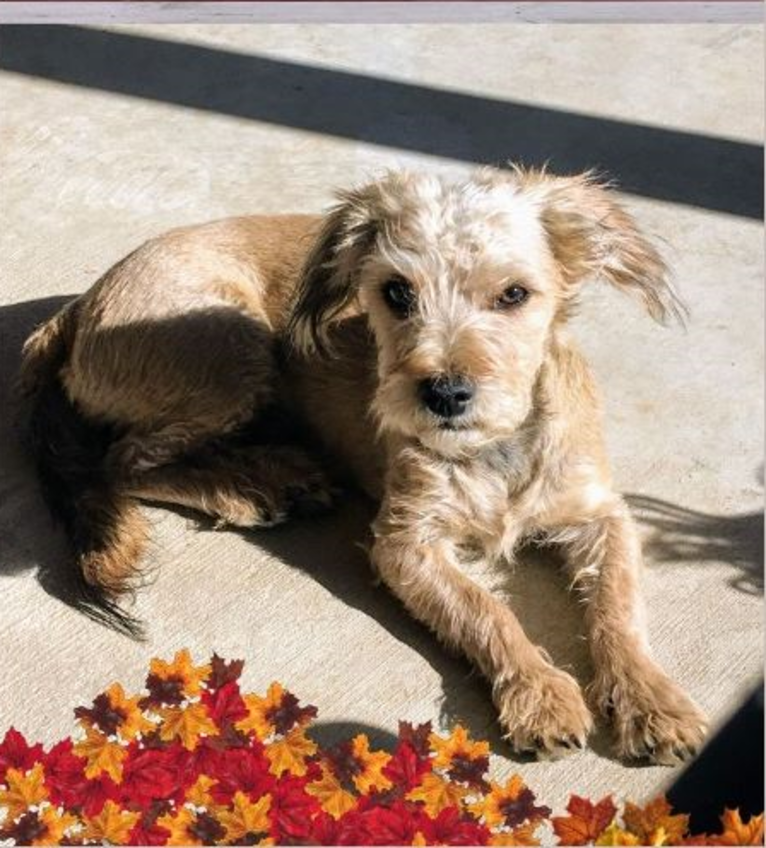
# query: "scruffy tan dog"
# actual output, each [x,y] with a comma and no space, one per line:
[419,332]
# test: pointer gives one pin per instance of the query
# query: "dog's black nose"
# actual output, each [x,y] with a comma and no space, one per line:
[447,395]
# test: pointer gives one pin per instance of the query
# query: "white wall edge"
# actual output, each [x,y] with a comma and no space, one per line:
[457,11]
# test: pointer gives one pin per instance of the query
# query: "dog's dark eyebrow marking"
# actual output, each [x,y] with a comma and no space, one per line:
[720,174]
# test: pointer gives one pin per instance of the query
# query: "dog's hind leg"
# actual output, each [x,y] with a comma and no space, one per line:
[253,486]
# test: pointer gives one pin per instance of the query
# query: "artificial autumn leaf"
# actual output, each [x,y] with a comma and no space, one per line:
[737,832]
[25,789]
[199,792]
[511,804]
[222,672]
[290,753]
[187,724]
[16,753]
[523,835]
[453,827]
[615,835]
[654,824]
[278,712]
[457,744]
[334,799]
[192,677]
[371,765]
[245,817]
[292,809]
[189,828]
[437,794]
[112,825]
[101,755]
[586,821]
[112,712]
[46,827]
[417,736]
[225,706]
[419,839]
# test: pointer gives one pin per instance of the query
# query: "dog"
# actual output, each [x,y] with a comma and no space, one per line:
[418,334]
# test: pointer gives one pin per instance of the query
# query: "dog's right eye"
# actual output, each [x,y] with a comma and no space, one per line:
[399,295]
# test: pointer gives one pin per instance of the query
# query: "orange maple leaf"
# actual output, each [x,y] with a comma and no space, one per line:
[523,835]
[111,825]
[245,816]
[135,721]
[187,723]
[182,668]
[178,827]
[334,799]
[25,789]
[290,753]
[101,754]
[259,712]
[457,744]
[371,765]
[55,826]
[199,792]
[437,794]
[737,832]
[586,821]
[418,839]
[654,824]
[511,804]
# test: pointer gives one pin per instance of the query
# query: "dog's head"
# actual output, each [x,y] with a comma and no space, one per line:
[463,284]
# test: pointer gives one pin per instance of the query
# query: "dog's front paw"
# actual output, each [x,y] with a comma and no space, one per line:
[544,713]
[652,716]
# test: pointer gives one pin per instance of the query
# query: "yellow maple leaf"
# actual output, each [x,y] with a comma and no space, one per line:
[178,827]
[111,825]
[182,668]
[199,792]
[186,723]
[737,832]
[371,765]
[457,744]
[437,794]
[135,721]
[101,754]
[614,835]
[290,753]
[259,710]
[334,799]
[515,794]
[654,824]
[245,816]
[419,839]
[55,826]
[25,789]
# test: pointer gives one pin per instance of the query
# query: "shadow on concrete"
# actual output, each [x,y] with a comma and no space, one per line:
[719,174]
[681,535]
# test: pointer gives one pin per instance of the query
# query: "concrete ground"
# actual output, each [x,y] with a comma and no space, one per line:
[108,137]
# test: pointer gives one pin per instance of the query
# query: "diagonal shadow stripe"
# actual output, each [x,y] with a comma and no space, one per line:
[714,173]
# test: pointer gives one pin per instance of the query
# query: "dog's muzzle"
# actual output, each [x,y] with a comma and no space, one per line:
[446,395]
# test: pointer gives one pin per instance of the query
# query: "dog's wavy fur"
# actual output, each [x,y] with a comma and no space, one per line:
[155,384]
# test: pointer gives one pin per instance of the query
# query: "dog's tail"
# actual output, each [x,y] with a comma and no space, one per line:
[105,529]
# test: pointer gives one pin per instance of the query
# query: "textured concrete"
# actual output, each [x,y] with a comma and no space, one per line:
[89,170]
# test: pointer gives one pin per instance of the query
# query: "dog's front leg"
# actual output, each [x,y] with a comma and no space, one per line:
[652,716]
[541,707]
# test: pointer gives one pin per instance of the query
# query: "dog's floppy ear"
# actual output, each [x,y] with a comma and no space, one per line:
[591,235]
[327,282]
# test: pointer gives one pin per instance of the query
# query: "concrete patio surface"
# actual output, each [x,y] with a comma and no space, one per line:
[96,156]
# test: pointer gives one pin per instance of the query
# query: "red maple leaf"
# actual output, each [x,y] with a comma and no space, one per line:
[394,825]
[155,774]
[241,769]
[451,827]
[417,736]
[292,809]
[68,786]
[225,705]
[406,767]
[16,753]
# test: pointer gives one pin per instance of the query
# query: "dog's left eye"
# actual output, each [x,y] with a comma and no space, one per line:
[399,295]
[512,296]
